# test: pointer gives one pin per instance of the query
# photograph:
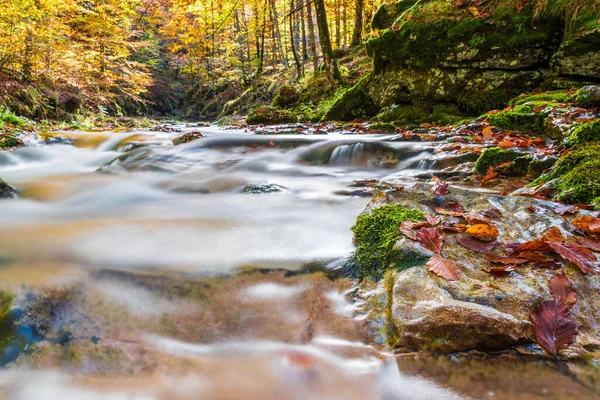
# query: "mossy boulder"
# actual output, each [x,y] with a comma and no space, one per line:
[9,141]
[269,115]
[584,134]
[355,103]
[493,157]
[588,96]
[6,301]
[577,175]
[286,96]
[559,96]
[521,118]
[538,166]
[387,13]
[579,55]
[375,235]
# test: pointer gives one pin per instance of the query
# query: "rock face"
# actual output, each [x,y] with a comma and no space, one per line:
[473,63]
[416,310]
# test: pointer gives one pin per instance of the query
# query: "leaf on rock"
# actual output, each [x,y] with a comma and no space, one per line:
[565,209]
[484,232]
[490,175]
[454,227]
[587,223]
[432,221]
[532,256]
[488,132]
[505,260]
[451,213]
[589,244]
[471,243]
[443,267]
[442,187]
[501,271]
[534,245]
[554,326]
[431,238]
[562,289]
[550,264]
[471,220]
[492,213]
[553,235]
[407,229]
[578,255]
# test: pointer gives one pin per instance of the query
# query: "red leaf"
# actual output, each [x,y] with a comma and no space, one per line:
[471,243]
[432,239]
[589,244]
[534,245]
[454,227]
[501,271]
[407,229]
[443,211]
[443,267]
[562,289]
[554,327]
[565,209]
[492,213]
[433,221]
[578,255]
[550,264]
[454,206]
[442,187]
[505,260]
[532,256]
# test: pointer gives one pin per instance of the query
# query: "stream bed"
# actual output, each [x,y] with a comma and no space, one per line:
[214,269]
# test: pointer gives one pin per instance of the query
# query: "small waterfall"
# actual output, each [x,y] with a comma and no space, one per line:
[347,154]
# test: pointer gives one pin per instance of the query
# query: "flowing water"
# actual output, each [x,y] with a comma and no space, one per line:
[211,269]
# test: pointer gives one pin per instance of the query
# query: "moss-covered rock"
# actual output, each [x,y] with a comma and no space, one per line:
[493,157]
[583,134]
[353,104]
[559,96]
[6,301]
[269,115]
[519,167]
[521,118]
[9,141]
[579,55]
[588,96]
[286,96]
[538,166]
[581,184]
[387,13]
[375,235]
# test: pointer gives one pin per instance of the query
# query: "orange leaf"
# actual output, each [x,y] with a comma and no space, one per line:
[587,223]
[443,267]
[488,132]
[483,232]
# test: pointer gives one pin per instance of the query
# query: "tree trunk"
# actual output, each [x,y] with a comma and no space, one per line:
[302,4]
[338,36]
[331,66]
[278,34]
[311,36]
[293,33]
[358,23]
[345,23]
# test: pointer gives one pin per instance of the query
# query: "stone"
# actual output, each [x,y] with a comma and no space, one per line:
[579,56]
[7,191]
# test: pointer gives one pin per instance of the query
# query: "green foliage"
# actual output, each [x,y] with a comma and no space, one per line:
[383,127]
[583,134]
[562,96]
[8,117]
[269,115]
[375,235]
[494,156]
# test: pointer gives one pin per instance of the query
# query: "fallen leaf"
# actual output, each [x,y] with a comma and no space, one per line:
[534,245]
[431,238]
[490,175]
[443,267]
[433,221]
[505,260]
[532,256]
[553,235]
[492,213]
[550,264]
[589,244]
[578,255]
[587,224]
[565,209]
[501,271]
[484,232]
[471,243]
[451,213]
[554,326]
[472,220]
[507,144]
[459,228]
[488,132]
[407,229]
[562,289]
[442,187]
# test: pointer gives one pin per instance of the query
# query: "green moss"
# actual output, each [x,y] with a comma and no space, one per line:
[581,184]
[6,300]
[352,104]
[583,134]
[519,167]
[537,166]
[576,157]
[8,141]
[588,96]
[383,127]
[269,115]
[375,235]
[540,180]
[286,96]
[522,118]
[561,96]
[494,156]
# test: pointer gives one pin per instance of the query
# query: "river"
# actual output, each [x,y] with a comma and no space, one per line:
[212,269]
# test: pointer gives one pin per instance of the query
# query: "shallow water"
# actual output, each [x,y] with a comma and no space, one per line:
[208,270]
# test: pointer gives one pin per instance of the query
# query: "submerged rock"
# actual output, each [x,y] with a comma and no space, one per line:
[261,188]
[7,191]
